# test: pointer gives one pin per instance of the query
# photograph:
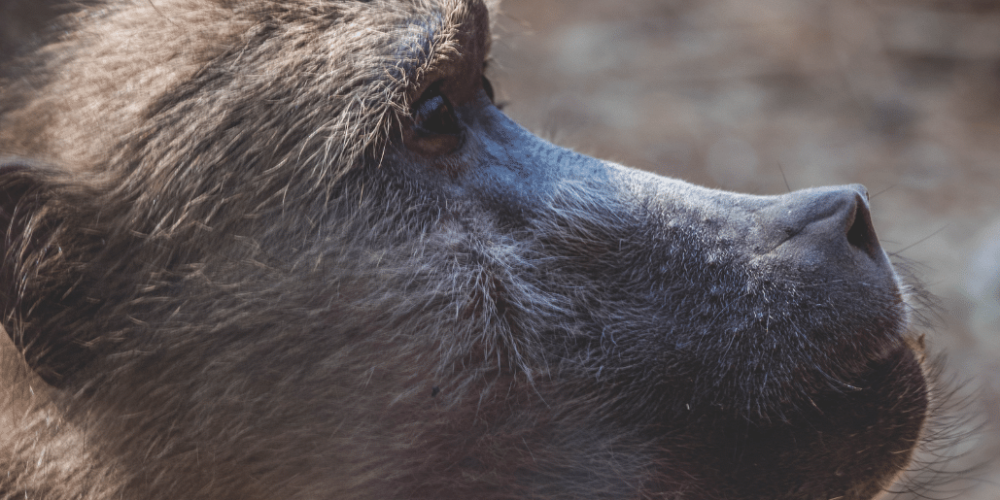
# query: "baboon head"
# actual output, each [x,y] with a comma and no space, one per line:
[293,250]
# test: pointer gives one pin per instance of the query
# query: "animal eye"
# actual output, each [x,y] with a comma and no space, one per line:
[433,113]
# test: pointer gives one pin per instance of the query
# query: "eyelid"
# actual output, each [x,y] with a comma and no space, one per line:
[421,107]
[434,115]
[432,90]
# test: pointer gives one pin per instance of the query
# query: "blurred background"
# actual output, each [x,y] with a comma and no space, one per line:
[765,96]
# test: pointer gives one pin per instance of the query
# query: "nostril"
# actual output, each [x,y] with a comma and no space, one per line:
[861,232]
[833,220]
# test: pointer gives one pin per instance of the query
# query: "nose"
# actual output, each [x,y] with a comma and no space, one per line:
[833,219]
[860,231]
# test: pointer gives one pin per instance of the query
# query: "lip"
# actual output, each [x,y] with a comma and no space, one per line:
[880,420]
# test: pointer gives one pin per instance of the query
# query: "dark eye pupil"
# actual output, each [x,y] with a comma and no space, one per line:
[435,116]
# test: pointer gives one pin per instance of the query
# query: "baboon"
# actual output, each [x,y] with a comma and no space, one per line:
[291,249]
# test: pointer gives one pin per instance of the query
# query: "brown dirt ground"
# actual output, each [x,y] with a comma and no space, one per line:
[763,96]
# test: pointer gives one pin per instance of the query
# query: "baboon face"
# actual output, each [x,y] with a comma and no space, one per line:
[293,250]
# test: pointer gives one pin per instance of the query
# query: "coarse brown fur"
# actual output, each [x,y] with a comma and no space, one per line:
[290,249]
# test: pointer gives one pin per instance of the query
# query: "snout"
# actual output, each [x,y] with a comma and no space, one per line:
[824,227]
